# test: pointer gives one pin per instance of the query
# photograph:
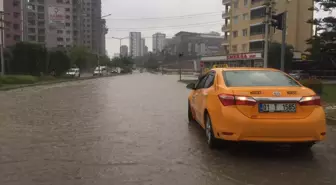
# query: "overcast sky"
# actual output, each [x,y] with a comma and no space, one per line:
[137,12]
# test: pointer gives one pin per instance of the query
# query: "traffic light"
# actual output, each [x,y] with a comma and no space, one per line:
[278,21]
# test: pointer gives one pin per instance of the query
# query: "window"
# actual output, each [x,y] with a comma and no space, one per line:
[235,34]
[210,80]
[67,9]
[244,48]
[245,16]
[16,26]
[235,19]
[256,46]
[8,35]
[59,31]
[59,1]
[236,3]
[258,13]
[244,32]
[60,39]
[257,29]
[16,14]
[200,84]
[234,48]
[245,3]
[257,78]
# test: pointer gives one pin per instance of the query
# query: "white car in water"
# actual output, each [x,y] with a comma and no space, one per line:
[100,71]
[73,72]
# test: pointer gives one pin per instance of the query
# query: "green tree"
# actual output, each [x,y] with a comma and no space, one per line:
[28,58]
[82,58]
[323,44]
[59,62]
[122,62]
[274,56]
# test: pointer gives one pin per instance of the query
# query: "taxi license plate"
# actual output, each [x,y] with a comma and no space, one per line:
[278,107]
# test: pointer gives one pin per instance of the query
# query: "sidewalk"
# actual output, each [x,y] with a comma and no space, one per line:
[18,86]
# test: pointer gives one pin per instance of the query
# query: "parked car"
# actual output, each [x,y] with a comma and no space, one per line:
[299,74]
[73,72]
[256,104]
[100,71]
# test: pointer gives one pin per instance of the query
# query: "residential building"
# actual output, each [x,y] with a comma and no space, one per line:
[124,50]
[158,42]
[193,45]
[142,47]
[135,44]
[12,21]
[244,26]
[64,23]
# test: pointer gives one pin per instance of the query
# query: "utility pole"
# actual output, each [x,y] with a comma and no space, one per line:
[283,43]
[2,28]
[267,23]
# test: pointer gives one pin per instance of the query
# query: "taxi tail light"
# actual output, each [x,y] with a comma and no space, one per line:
[229,100]
[310,100]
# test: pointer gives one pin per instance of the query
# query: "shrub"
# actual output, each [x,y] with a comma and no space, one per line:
[315,84]
[18,79]
[47,78]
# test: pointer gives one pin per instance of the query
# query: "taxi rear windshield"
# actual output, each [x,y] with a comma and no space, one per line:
[261,78]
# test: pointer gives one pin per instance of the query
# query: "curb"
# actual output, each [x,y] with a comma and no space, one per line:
[53,82]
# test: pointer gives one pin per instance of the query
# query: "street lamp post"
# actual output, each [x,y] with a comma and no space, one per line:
[120,39]
[98,47]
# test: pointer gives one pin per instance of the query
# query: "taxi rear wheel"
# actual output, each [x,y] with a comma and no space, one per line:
[302,146]
[211,140]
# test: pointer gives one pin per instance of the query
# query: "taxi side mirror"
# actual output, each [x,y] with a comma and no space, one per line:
[191,86]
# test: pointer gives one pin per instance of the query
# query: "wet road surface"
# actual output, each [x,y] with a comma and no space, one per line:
[133,129]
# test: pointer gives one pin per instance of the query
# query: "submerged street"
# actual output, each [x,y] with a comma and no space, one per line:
[133,129]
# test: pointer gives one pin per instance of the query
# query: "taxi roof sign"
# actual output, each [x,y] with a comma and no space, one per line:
[220,66]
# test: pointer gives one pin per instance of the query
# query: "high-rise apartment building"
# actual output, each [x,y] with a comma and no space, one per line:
[244,24]
[143,45]
[64,23]
[158,42]
[124,50]
[12,21]
[135,44]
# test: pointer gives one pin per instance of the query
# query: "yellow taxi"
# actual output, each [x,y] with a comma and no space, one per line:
[256,104]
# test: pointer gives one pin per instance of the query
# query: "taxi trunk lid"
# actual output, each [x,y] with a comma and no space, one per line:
[274,103]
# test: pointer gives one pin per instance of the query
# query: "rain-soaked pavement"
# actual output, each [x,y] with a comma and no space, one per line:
[133,129]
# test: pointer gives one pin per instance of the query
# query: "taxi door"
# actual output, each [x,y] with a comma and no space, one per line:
[195,99]
[206,91]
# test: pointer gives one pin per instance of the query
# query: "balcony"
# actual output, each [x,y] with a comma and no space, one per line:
[257,3]
[225,2]
[226,14]
[226,27]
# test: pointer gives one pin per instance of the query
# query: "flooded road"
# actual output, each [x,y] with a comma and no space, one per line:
[133,129]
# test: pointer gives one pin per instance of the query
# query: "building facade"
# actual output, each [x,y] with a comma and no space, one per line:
[13,24]
[143,45]
[63,23]
[124,50]
[135,44]
[194,45]
[244,26]
[158,42]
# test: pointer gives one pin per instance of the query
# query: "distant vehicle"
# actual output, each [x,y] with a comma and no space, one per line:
[299,74]
[73,72]
[100,71]
[256,104]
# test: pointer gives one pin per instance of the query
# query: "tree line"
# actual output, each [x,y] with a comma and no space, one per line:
[26,58]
